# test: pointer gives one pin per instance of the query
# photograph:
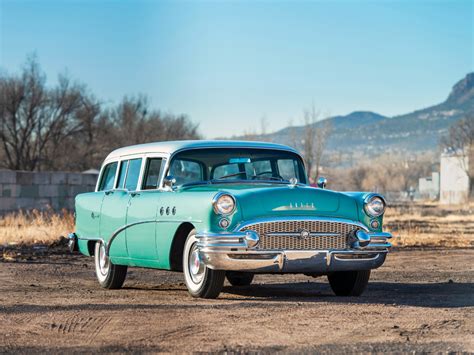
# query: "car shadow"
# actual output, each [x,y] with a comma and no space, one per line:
[433,295]
[429,295]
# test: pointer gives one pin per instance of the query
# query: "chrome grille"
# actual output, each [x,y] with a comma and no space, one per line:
[294,227]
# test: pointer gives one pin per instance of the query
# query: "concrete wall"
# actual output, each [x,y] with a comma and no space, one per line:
[454,182]
[41,190]
[428,187]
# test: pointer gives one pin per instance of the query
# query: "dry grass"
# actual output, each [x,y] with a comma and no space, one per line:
[412,225]
[431,225]
[35,227]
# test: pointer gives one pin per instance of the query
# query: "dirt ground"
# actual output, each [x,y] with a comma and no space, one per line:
[420,300]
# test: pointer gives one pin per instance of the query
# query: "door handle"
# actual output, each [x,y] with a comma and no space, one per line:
[109,192]
[94,215]
[133,194]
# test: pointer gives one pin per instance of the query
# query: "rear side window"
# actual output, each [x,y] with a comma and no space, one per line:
[133,174]
[152,174]
[108,177]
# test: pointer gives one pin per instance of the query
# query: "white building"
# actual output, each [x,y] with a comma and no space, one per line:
[454,181]
[428,187]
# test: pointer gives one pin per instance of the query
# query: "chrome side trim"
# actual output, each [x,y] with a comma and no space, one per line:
[89,238]
[121,229]
[116,233]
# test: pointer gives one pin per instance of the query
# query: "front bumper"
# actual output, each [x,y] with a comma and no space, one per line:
[237,251]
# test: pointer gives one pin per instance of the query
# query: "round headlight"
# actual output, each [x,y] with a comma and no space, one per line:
[224,203]
[375,206]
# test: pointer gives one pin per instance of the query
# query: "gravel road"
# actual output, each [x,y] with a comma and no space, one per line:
[420,300]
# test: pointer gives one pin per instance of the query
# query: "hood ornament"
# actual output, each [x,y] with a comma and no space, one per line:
[293,182]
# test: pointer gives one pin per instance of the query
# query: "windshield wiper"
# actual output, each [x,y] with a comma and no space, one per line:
[273,178]
[230,175]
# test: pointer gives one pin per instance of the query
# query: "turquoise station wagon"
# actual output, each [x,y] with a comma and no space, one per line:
[226,209]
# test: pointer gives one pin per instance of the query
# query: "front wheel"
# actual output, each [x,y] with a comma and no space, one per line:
[349,283]
[200,280]
[109,275]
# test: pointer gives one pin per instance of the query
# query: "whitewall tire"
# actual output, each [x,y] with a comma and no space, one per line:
[109,275]
[200,280]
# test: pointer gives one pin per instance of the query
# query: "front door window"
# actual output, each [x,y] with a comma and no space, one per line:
[152,174]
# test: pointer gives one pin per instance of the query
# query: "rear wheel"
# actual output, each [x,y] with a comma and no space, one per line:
[200,280]
[109,275]
[349,283]
[239,278]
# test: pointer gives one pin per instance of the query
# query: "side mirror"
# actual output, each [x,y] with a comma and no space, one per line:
[169,181]
[322,182]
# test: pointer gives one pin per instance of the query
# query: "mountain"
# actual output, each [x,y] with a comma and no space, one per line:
[463,91]
[368,133]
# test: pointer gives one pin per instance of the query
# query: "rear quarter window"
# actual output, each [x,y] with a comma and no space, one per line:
[108,177]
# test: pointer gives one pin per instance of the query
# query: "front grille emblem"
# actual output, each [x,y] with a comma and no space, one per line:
[304,234]
[296,207]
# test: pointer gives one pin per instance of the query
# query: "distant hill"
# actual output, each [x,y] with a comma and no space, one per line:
[366,133]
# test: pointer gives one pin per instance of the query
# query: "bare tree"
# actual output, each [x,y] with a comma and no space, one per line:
[263,125]
[65,127]
[315,135]
[310,118]
[81,148]
[461,139]
[357,177]
[385,173]
[250,134]
[35,119]
[135,122]
[292,134]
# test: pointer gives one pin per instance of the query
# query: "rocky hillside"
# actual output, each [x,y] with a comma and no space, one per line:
[368,132]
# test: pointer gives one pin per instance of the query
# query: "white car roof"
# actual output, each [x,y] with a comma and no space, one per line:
[171,147]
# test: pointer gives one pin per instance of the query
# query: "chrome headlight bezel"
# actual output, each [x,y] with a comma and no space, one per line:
[219,199]
[372,205]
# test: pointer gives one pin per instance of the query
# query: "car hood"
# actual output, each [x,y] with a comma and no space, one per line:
[269,200]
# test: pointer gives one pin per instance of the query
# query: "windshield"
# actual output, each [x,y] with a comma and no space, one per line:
[233,165]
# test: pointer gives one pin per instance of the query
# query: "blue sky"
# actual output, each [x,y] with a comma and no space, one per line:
[228,64]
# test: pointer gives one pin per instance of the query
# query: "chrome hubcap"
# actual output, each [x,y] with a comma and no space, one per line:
[195,265]
[104,262]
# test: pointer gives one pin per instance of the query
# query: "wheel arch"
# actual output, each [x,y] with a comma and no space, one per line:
[177,246]
[91,247]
